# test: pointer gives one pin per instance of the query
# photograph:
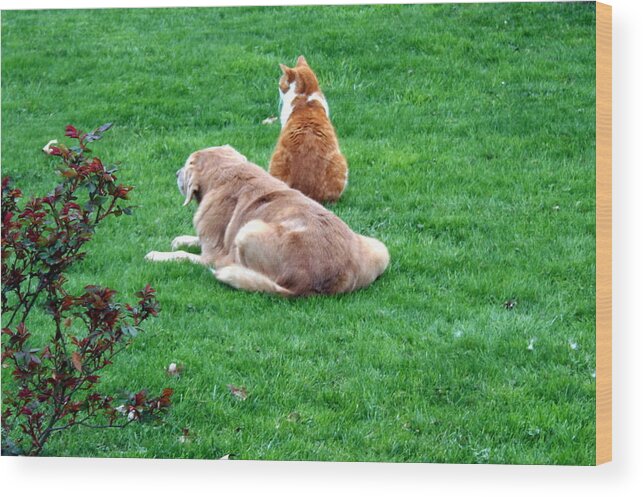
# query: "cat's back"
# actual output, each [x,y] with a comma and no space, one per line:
[307,156]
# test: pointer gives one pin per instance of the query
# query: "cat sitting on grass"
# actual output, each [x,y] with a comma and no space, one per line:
[307,155]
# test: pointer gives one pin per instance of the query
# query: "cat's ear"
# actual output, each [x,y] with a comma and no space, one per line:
[284,69]
[301,61]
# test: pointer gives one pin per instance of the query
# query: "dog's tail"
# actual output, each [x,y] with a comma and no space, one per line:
[374,260]
[244,278]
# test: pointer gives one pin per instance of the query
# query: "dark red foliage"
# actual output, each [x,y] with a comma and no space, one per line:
[53,384]
[71,132]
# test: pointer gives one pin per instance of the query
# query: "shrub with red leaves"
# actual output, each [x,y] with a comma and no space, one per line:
[53,384]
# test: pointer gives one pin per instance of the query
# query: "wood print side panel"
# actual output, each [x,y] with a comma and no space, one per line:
[603,233]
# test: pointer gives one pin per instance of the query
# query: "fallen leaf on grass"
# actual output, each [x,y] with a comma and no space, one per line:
[294,417]
[185,438]
[174,369]
[269,120]
[510,304]
[409,427]
[533,432]
[239,392]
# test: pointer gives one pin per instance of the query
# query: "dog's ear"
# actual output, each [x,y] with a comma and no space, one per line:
[191,186]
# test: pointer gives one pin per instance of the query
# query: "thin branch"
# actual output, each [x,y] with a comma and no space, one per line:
[109,426]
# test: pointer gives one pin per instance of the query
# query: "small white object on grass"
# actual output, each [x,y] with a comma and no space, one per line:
[47,148]
[174,369]
[269,120]
[530,346]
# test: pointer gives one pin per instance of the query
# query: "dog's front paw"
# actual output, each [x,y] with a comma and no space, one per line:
[184,241]
[155,256]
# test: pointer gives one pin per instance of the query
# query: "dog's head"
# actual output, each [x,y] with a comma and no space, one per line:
[204,169]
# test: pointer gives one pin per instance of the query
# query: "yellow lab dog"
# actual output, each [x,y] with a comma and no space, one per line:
[258,234]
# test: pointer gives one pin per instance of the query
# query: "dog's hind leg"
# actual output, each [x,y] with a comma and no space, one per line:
[244,278]
[255,254]
[256,247]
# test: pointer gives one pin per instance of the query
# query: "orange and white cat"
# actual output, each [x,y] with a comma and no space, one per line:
[307,155]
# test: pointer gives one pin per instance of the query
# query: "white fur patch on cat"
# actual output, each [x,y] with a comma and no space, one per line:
[288,98]
[321,99]
[286,103]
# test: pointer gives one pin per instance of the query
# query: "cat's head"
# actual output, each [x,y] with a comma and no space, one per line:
[301,78]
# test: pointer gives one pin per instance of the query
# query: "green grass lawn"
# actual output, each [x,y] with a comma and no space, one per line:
[470,136]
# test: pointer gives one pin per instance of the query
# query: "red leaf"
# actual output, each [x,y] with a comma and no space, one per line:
[71,132]
[25,393]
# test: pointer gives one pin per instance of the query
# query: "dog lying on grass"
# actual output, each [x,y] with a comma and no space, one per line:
[258,234]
